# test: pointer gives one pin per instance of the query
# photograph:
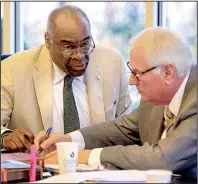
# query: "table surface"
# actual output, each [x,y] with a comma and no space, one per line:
[184,181]
[176,181]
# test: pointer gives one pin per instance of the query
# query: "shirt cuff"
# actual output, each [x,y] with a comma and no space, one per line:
[5,130]
[94,158]
[76,136]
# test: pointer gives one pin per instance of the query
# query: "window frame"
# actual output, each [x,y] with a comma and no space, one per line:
[14,20]
[8,28]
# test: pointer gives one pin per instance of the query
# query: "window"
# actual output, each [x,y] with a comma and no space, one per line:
[1,26]
[7,27]
[33,22]
[113,23]
[182,17]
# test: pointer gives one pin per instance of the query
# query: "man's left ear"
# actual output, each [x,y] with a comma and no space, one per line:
[169,74]
[47,40]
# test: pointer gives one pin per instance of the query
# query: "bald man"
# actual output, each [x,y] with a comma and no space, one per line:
[68,83]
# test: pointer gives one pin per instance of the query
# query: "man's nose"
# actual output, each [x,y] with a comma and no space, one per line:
[132,80]
[78,54]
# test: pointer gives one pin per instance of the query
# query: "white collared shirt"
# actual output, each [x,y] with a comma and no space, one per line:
[80,96]
[94,157]
[175,103]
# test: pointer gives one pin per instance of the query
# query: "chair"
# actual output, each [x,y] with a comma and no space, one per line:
[4,56]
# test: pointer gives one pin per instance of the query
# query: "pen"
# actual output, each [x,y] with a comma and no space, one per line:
[50,170]
[46,137]
[176,176]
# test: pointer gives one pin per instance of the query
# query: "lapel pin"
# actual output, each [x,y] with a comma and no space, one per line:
[98,77]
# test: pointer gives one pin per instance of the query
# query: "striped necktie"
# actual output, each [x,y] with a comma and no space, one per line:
[170,117]
[71,118]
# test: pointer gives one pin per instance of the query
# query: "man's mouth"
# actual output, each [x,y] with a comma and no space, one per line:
[78,67]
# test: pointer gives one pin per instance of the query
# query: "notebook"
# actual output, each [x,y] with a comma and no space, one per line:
[19,156]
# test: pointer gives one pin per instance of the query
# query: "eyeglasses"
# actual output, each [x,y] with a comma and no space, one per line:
[137,75]
[85,47]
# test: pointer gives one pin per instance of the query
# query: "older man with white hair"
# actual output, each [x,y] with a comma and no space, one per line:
[162,132]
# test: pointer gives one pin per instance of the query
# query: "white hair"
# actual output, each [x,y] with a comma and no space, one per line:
[160,46]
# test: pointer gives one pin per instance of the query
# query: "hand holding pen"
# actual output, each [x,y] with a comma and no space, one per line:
[47,134]
[46,141]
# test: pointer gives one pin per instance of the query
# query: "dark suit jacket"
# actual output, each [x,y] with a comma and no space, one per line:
[134,141]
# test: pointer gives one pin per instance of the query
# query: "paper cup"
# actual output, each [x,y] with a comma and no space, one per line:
[67,156]
[158,176]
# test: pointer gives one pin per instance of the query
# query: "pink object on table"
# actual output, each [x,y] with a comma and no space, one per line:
[33,163]
[15,156]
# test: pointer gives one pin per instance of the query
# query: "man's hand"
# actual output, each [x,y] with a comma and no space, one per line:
[49,144]
[18,140]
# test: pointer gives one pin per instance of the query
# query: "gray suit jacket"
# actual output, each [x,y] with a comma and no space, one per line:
[27,90]
[133,141]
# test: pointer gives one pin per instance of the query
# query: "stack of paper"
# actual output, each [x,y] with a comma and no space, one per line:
[79,168]
[124,176]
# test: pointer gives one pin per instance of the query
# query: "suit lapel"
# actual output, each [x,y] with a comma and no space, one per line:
[156,121]
[192,81]
[42,77]
[94,80]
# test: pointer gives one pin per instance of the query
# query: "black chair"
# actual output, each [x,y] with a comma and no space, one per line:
[4,56]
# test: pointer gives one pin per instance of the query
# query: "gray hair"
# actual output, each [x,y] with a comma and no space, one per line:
[161,46]
[69,11]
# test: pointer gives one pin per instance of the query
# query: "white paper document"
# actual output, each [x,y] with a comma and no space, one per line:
[13,164]
[79,168]
[120,176]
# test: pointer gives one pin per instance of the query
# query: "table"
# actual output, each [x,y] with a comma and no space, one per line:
[184,181]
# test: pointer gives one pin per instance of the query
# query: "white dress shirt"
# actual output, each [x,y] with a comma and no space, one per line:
[94,157]
[175,103]
[80,96]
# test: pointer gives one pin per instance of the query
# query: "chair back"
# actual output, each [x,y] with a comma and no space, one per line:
[4,56]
